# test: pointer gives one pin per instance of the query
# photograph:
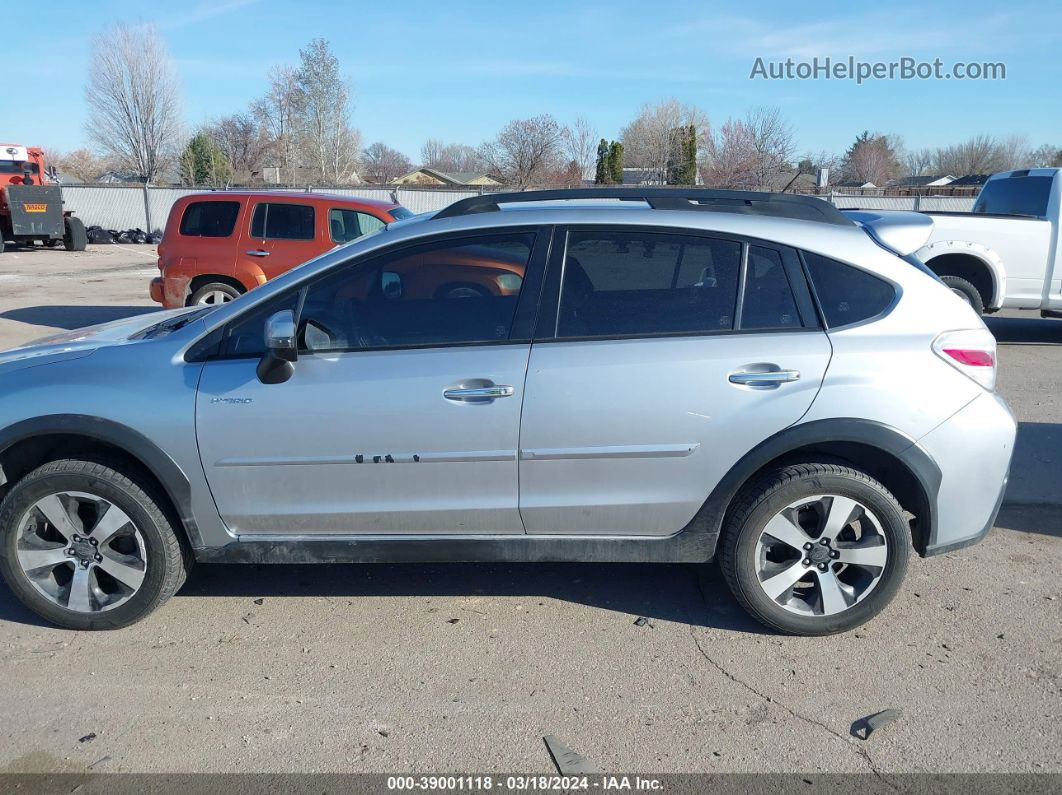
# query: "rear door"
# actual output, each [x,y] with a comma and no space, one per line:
[659,360]
[282,235]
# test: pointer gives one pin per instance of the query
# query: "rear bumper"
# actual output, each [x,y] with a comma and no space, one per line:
[973,450]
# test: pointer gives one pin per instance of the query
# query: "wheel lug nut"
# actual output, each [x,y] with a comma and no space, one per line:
[93,541]
[825,542]
[807,546]
[99,558]
[822,567]
[807,562]
[77,538]
[834,554]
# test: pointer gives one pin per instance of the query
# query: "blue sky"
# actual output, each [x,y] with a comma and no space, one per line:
[457,70]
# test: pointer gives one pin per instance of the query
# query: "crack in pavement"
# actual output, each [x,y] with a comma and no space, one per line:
[862,752]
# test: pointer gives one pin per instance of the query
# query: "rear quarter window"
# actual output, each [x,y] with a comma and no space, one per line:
[209,219]
[847,295]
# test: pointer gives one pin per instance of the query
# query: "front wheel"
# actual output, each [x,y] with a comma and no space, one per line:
[815,549]
[85,546]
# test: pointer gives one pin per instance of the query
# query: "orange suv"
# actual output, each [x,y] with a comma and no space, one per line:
[218,246]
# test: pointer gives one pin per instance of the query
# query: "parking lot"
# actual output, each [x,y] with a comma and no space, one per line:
[464,668]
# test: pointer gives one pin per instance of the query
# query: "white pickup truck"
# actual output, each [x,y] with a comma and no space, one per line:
[1003,254]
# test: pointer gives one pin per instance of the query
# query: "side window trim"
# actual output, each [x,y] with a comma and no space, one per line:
[546,329]
[523,320]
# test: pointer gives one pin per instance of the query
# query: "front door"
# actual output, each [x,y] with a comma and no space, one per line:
[280,236]
[402,416]
[654,379]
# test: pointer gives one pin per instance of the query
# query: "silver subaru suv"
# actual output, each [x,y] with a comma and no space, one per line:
[637,374]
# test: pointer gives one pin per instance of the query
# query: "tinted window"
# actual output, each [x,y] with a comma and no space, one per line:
[618,283]
[1015,196]
[282,222]
[768,301]
[462,291]
[209,219]
[846,294]
[346,225]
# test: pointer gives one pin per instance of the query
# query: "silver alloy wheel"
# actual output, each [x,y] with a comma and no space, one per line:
[80,551]
[213,297]
[821,555]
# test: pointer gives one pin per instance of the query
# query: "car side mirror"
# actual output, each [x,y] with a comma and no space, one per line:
[282,348]
[391,285]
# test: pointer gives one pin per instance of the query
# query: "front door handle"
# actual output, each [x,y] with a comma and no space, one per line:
[479,392]
[257,253]
[768,378]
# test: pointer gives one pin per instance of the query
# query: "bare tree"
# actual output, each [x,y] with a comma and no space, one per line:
[773,144]
[580,147]
[982,154]
[243,142]
[380,163]
[279,112]
[871,158]
[133,100]
[526,152]
[919,162]
[1046,156]
[329,143]
[449,157]
[648,141]
[81,164]
[732,161]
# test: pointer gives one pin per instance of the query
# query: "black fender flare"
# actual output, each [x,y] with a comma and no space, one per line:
[168,473]
[889,440]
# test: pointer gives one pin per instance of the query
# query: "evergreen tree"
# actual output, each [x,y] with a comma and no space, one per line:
[202,163]
[615,162]
[682,161]
[603,173]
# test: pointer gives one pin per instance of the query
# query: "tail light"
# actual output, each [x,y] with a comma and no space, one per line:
[971,352]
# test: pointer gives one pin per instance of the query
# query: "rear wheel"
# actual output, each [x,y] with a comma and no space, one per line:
[213,293]
[966,291]
[815,549]
[75,238]
[85,546]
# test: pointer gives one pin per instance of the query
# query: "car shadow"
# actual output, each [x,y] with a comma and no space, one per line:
[684,593]
[1025,330]
[1034,470]
[73,317]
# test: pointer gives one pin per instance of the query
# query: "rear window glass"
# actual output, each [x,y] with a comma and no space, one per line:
[1015,196]
[283,222]
[209,219]
[346,225]
[847,295]
[768,300]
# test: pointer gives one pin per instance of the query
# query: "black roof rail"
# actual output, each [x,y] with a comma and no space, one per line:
[776,205]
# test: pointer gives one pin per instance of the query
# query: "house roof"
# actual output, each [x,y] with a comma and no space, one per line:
[451,177]
[970,180]
[922,180]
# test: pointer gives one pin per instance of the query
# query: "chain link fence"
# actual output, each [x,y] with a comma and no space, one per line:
[147,208]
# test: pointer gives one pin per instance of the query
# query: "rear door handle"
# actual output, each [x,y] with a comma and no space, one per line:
[479,392]
[257,253]
[768,378]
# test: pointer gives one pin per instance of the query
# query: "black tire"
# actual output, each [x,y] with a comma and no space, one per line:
[214,287]
[966,292]
[762,499]
[75,237]
[167,561]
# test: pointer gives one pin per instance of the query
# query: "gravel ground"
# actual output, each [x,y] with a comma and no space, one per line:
[462,668]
